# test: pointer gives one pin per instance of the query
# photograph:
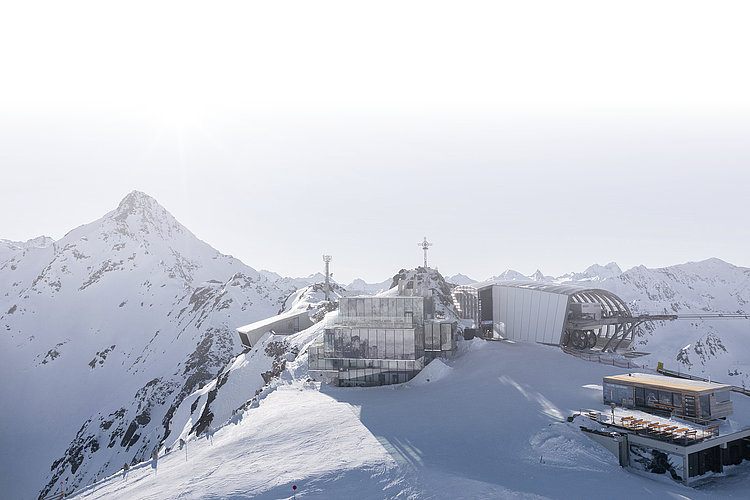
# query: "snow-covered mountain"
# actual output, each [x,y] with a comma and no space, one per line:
[594,273]
[460,279]
[361,287]
[716,347]
[510,275]
[289,285]
[10,248]
[105,332]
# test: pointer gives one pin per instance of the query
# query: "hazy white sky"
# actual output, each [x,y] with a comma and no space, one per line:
[522,135]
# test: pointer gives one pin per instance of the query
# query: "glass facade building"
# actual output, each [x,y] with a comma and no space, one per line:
[369,356]
[378,341]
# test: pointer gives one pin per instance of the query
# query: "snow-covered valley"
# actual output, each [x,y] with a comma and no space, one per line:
[119,338]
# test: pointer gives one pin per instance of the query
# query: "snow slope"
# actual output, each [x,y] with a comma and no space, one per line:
[488,424]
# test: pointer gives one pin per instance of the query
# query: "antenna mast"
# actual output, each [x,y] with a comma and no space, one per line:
[327,260]
[425,246]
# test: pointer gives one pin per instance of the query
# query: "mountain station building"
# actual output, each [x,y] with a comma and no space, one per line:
[381,340]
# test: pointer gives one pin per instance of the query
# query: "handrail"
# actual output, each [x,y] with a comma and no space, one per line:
[672,373]
[597,358]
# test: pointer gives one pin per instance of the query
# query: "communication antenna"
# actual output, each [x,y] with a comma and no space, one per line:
[425,246]
[327,260]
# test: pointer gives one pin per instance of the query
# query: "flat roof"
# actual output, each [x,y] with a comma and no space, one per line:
[678,384]
[269,322]
[539,286]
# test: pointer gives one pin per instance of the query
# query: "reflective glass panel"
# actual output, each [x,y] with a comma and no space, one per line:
[677,399]
[705,408]
[640,396]
[409,344]
[665,398]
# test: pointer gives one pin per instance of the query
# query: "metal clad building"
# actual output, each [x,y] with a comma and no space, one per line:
[530,311]
[528,315]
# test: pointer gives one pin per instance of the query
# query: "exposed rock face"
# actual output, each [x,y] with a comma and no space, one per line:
[430,280]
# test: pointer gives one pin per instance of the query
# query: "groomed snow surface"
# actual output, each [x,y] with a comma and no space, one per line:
[488,424]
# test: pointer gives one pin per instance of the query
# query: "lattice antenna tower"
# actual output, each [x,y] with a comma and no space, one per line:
[425,246]
[327,260]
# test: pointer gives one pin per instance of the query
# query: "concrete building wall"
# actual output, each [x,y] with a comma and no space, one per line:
[284,324]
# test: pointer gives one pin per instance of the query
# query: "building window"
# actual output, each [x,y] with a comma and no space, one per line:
[640,396]
[677,399]
[665,398]
[705,406]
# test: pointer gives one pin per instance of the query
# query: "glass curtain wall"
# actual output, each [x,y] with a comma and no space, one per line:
[370,356]
[391,311]
[372,343]
[645,397]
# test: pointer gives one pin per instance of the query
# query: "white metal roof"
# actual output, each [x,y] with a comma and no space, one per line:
[534,285]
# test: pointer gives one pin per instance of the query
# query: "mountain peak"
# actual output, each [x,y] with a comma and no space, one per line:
[509,275]
[611,269]
[136,201]
[538,276]
[460,279]
[140,214]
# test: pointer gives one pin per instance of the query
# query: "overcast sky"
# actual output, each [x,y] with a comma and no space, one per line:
[522,135]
